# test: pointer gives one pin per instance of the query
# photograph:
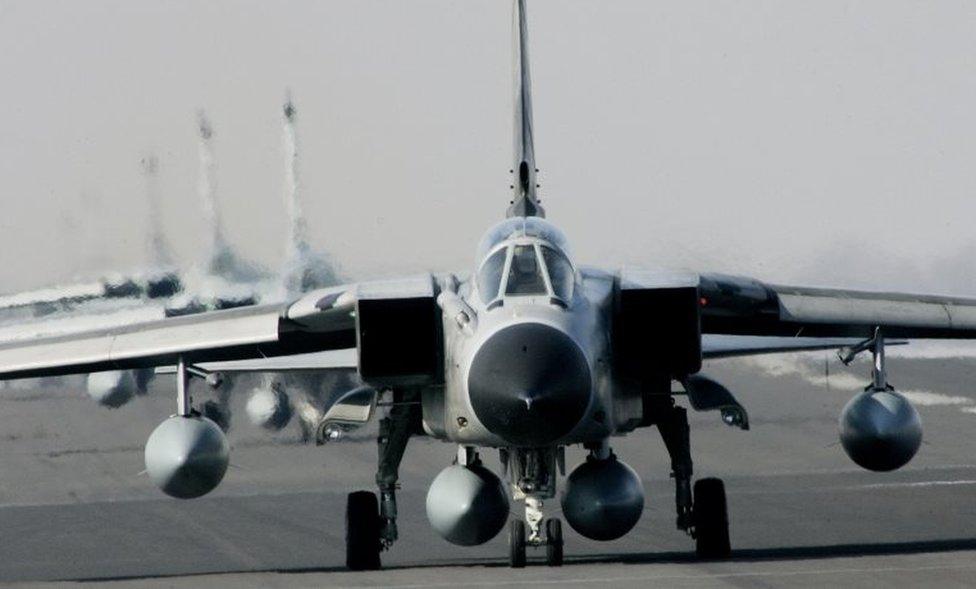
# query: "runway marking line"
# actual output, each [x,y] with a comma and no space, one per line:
[912,484]
[646,578]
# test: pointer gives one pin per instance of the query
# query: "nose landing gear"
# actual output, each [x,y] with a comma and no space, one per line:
[518,543]
[533,478]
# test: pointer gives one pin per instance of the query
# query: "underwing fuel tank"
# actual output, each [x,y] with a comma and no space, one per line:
[467,505]
[186,457]
[603,498]
[880,430]
[269,407]
[115,388]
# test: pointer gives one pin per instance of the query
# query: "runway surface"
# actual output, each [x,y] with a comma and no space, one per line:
[73,507]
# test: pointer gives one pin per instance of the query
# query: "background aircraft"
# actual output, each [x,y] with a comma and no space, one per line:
[221,279]
[529,354]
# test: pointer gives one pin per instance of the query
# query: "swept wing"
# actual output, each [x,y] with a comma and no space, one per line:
[744,306]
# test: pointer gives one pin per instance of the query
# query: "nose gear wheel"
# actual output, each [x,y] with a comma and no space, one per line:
[554,542]
[516,544]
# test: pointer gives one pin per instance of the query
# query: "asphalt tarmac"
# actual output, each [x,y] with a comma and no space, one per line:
[73,506]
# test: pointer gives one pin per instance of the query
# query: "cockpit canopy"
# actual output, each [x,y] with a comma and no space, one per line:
[524,257]
[522,227]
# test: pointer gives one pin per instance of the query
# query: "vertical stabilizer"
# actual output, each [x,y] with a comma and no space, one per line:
[297,243]
[525,203]
[207,189]
[304,269]
[159,254]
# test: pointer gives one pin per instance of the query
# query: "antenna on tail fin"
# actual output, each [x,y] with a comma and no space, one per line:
[525,202]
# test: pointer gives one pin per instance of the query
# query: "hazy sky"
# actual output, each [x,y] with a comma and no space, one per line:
[829,142]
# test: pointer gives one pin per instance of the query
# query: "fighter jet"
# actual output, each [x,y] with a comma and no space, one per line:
[528,355]
[113,292]
[221,280]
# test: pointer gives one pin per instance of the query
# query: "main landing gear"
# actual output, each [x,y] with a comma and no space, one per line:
[532,473]
[371,522]
[703,513]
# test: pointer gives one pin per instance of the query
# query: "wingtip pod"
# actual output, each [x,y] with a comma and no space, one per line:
[525,203]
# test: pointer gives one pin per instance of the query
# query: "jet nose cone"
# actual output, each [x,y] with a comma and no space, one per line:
[530,384]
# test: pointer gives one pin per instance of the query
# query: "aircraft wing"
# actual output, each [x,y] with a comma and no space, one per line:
[333,359]
[743,306]
[728,346]
[325,319]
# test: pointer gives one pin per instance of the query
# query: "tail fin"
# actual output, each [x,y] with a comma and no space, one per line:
[221,259]
[158,249]
[207,190]
[297,243]
[304,269]
[525,202]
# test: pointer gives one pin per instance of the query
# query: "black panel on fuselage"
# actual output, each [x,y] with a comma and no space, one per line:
[657,332]
[400,340]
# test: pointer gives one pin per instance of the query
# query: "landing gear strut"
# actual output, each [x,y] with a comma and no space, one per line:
[532,474]
[704,514]
[370,523]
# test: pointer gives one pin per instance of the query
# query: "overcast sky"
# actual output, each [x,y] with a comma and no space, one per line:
[820,142]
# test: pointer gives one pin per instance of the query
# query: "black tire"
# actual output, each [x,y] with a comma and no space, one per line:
[554,543]
[516,544]
[711,520]
[362,531]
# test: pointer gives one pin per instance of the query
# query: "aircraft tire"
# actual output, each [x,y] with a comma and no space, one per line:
[711,520]
[554,543]
[516,544]
[362,531]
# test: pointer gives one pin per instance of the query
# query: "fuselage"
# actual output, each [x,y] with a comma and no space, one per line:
[527,346]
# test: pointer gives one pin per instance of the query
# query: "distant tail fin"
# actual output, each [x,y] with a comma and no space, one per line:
[304,268]
[207,190]
[221,260]
[297,242]
[158,250]
[525,203]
